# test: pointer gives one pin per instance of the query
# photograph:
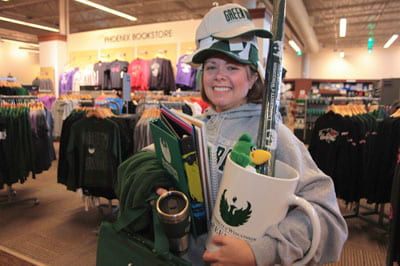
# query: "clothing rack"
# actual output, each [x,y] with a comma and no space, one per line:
[86,102]
[107,102]
[10,197]
[8,79]
[393,253]
[93,201]
[121,146]
[373,183]
[378,209]
[347,99]
[175,105]
[186,93]
[149,93]
[148,103]
[18,97]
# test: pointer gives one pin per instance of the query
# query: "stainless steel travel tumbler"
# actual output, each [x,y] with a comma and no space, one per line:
[173,211]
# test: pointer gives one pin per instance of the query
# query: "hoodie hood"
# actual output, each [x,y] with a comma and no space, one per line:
[246,110]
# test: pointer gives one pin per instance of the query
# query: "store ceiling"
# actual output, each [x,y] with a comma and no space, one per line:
[365,18]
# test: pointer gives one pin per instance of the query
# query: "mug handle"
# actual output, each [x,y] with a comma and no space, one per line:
[316,227]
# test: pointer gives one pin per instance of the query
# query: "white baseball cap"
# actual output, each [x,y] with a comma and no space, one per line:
[229,29]
[228,21]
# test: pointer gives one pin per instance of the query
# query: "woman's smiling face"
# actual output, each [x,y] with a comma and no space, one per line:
[226,82]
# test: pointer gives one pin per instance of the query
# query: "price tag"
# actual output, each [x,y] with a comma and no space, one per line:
[126,87]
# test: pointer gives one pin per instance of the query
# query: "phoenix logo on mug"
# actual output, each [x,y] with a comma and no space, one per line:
[231,214]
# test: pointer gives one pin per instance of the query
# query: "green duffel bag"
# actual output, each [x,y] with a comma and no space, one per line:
[138,177]
[118,245]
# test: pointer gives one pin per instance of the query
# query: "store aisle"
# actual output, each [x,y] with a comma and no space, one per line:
[366,245]
[60,232]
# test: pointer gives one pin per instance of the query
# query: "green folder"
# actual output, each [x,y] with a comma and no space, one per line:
[169,153]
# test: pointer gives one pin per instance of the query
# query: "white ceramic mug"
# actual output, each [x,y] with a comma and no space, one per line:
[248,203]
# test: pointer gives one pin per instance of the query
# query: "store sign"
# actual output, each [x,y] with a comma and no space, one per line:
[136,36]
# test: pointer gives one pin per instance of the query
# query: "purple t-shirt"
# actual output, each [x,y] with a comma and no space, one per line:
[47,101]
[185,74]
[66,81]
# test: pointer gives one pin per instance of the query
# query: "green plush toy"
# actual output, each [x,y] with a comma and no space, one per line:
[245,153]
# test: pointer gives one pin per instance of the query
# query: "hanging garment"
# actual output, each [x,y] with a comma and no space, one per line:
[394,227]
[358,152]
[16,145]
[47,100]
[117,68]
[139,71]
[126,125]
[66,81]
[161,75]
[382,163]
[93,155]
[25,143]
[91,149]
[42,141]
[185,75]
[100,68]
[142,134]
[60,110]
[63,169]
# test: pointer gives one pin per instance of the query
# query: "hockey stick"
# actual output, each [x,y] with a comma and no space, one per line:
[267,132]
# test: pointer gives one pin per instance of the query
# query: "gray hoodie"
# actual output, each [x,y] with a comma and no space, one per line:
[289,240]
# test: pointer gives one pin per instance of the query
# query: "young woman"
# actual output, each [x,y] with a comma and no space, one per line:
[231,84]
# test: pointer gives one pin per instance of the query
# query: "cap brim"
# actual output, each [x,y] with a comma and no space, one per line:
[236,32]
[200,56]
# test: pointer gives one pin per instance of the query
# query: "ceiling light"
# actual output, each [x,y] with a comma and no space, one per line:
[341,54]
[342,27]
[391,41]
[106,9]
[29,24]
[19,42]
[30,49]
[294,45]
[371,41]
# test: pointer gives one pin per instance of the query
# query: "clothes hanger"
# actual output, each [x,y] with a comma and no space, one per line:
[96,113]
[396,114]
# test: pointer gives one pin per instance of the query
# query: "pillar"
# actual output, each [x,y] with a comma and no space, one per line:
[305,66]
[53,48]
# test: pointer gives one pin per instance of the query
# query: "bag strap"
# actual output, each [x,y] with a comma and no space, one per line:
[161,244]
[127,217]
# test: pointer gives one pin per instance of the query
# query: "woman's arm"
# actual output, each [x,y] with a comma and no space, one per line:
[289,240]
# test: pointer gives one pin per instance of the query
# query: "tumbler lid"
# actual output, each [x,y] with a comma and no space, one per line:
[173,205]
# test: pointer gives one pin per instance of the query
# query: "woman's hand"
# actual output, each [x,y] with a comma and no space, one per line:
[232,251]
[161,191]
